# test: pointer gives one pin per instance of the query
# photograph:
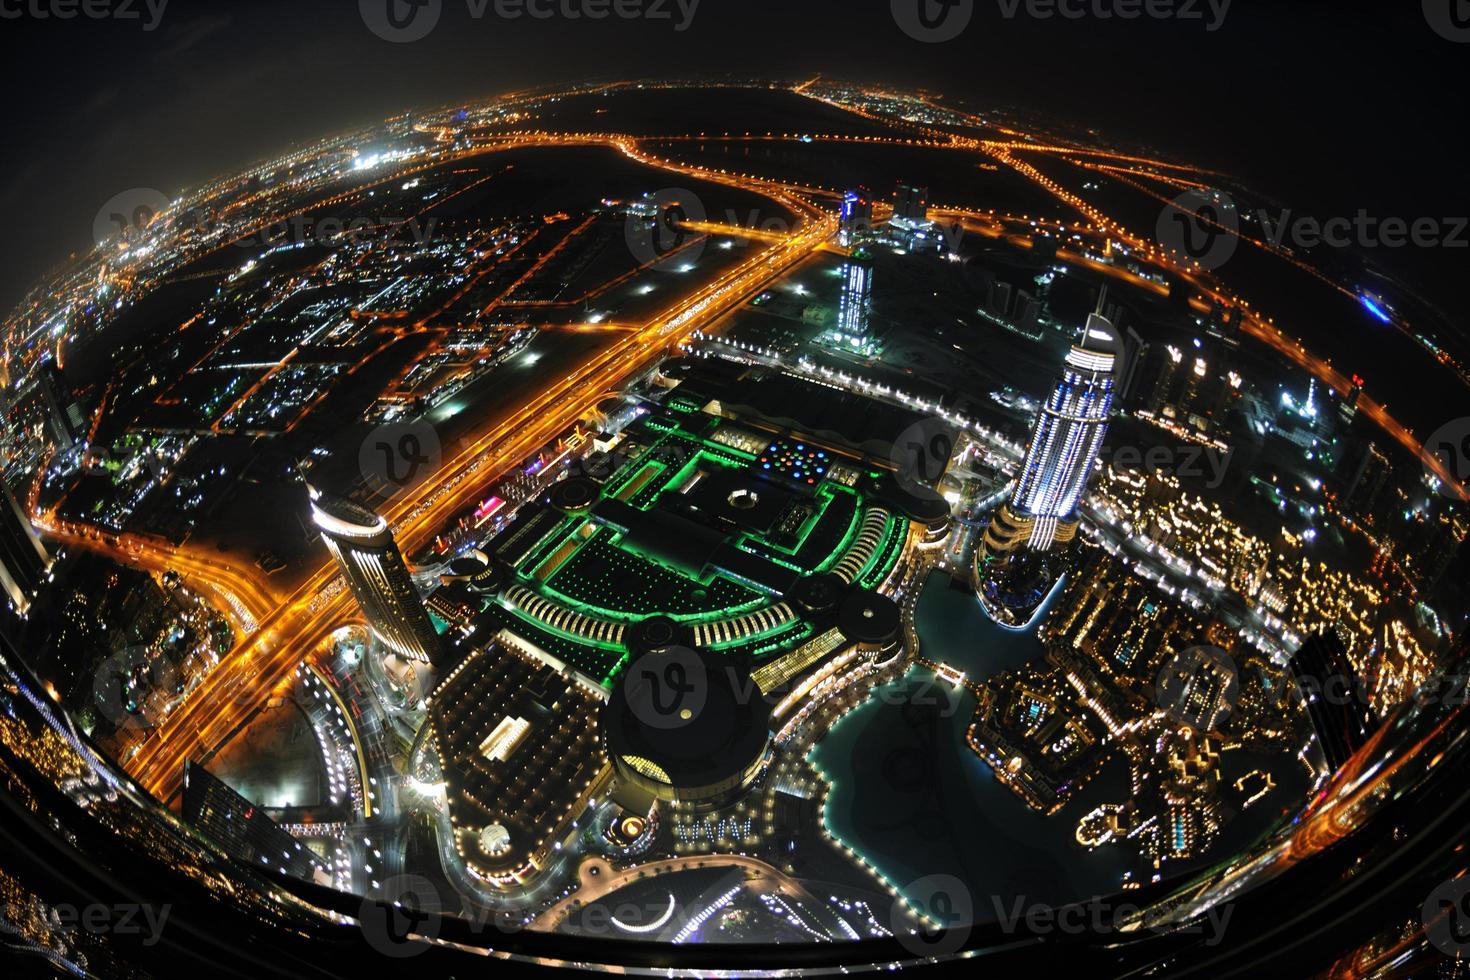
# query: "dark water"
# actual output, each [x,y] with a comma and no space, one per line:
[912,799]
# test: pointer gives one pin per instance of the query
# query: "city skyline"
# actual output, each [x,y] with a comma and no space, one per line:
[763,523]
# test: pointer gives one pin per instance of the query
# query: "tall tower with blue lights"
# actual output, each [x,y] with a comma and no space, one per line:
[1023,552]
[855,218]
[855,308]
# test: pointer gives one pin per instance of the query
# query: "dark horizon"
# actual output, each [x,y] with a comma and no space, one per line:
[1328,107]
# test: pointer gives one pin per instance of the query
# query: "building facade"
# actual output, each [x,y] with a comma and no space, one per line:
[364,548]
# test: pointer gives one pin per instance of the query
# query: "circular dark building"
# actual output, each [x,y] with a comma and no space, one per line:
[687,725]
[870,619]
[819,593]
[574,494]
[656,634]
[475,572]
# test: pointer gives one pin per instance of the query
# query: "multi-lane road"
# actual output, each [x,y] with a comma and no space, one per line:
[290,630]
[279,631]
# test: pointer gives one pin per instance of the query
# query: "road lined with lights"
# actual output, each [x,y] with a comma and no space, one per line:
[226,699]
[288,630]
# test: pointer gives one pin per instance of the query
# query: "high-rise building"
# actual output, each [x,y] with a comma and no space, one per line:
[1169,371]
[23,559]
[855,220]
[1348,407]
[63,414]
[1000,298]
[1065,441]
[364,548]
[1364,494]
[1136,351]
[910,229]
[1334,695]
[855,309]
[911,202]
[1022,554]
[245,831]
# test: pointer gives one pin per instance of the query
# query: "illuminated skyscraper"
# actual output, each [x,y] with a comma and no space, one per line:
[23,559]
[369,558]
[856,306]
[1335,697]
[63,414]
[1012,566]
[1064,445]
[856,217]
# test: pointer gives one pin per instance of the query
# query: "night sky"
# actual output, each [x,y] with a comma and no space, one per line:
[1328,106]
